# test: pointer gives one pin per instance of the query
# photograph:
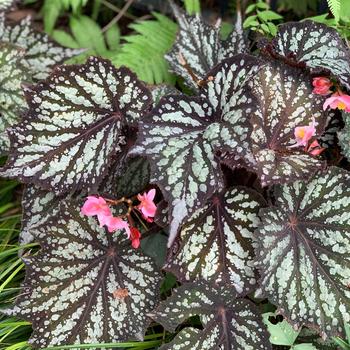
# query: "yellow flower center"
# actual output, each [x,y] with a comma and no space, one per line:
[301,133]
[341,105]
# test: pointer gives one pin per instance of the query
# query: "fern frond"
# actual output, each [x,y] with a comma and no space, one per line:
[143,52]
[334,6]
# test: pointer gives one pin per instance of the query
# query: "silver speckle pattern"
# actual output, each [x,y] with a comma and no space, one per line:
[286,101]
[217,241]
[86,285]
[200,45]
[344,136]
[304,251]
[229,323]
[73,127]
[316,45]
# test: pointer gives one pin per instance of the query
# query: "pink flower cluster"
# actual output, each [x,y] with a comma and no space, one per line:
[322,86]
[96,205]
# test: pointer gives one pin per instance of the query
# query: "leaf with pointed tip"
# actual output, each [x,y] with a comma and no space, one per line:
[286,101]
[182,134]
[304,251]
[12,101]
[217,241]
[74,126]
[229,323]
[344,136]
[41,54]
[38,205]
[85,285]
[200,46]
[313,45]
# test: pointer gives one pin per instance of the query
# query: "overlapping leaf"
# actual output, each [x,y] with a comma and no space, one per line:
[313,45]
[217,241]
[229,323]
[74,126]
[41,54]
[37,206]
[199,44]
[181,135]
[86,285]
[344,136]
[304,252]
[12,101]
[286,101]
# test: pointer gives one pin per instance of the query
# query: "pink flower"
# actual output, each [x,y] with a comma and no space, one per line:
[95,206]
[340,101]
[321,86]
[135,237]
[114,223]
[147,206]
[303,134]
[315,149]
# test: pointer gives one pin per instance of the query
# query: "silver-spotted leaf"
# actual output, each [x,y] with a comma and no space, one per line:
[12,101]
[304,251]
[330,136]
[313,45]
[85,285]
[158,91]
[229,323]
[41,54]
[199,44]
[286,101]
[38,205]
[182,134]
[6,4]
[310,336]
[344,136]
[74,126]
[217,241]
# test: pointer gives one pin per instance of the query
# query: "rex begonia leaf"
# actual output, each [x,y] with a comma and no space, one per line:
[229,323]
[158,91]
[313,45]
[12,101]
[344,136]
[74,126]
[37,206]
[41,54]
[304,251]
[217,241]
[181,135]
[85,285]
[286,101]
[199,44]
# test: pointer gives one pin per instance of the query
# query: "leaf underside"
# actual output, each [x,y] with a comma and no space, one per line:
[228,323]
[85,285]
[74,126]
[12,101]
[315,45]
[41,54]
[200,45]
[286,101]
[303,255]
[217,241]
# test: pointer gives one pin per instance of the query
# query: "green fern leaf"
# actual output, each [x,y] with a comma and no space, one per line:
[334,6]
[143,52]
